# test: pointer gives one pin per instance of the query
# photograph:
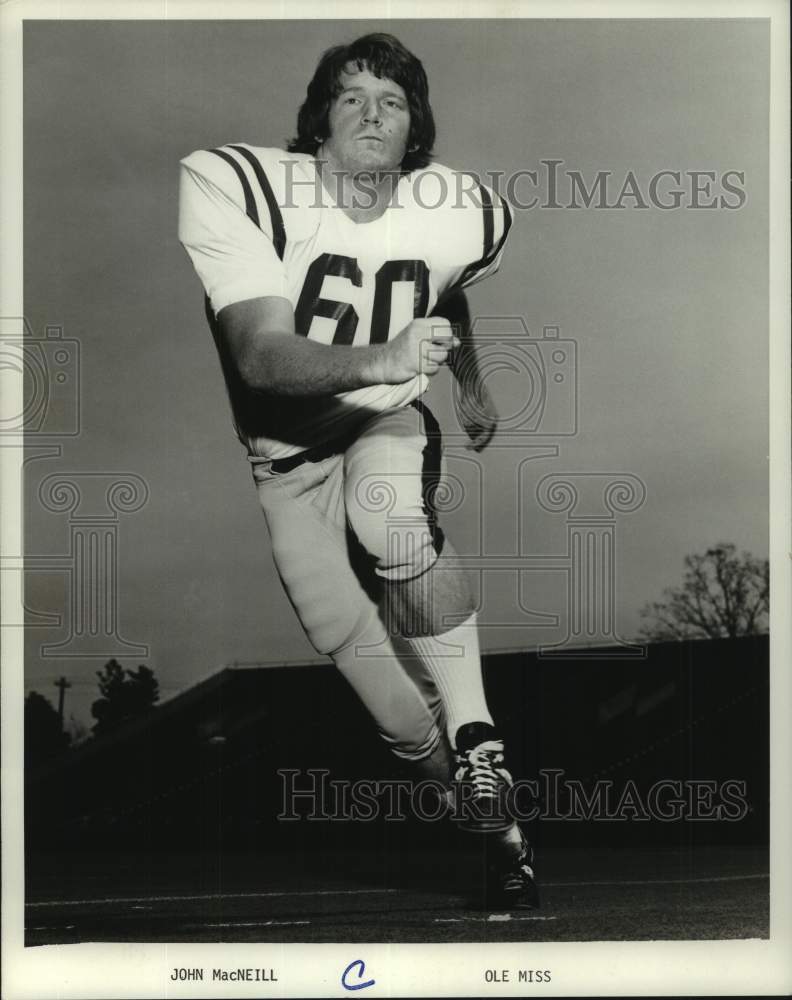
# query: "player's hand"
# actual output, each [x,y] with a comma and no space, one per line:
[421,348]
[475,412]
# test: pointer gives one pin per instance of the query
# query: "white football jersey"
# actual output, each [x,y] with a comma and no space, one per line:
[258,221]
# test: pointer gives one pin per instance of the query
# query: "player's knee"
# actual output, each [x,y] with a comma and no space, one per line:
[331,610]
[415,746]
[397,532]
[327,634]
[407,551]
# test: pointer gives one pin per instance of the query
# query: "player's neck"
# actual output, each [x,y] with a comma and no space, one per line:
[364,195]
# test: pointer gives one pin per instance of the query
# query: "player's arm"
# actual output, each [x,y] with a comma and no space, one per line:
[475,409]
[259,337]
[480,234]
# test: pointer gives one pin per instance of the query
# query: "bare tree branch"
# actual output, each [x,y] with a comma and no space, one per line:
[722,595]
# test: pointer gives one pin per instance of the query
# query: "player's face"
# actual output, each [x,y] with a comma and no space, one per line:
[369,124]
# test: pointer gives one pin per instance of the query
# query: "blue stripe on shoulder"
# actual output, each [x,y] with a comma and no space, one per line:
[250,202]
[276,218]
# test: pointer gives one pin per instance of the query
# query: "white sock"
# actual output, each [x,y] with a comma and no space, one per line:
[454,663]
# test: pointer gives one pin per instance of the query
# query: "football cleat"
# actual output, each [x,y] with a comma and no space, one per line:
[513,886]
[481,781]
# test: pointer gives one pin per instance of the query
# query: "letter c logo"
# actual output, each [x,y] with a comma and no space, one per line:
[361,969]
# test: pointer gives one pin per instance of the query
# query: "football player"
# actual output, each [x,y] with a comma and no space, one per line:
[334,275]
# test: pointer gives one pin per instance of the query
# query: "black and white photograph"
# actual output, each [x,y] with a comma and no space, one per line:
[395,443]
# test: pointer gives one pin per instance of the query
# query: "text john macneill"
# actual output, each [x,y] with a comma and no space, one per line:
[226,975]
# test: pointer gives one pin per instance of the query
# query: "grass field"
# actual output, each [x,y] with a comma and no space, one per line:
[426,896]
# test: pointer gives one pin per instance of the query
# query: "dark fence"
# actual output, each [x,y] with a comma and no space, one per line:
[201,772]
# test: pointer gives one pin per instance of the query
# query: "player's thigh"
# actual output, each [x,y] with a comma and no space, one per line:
[391,472]
[309,546]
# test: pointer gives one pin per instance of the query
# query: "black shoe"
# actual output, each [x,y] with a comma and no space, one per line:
[513,887]
[481,781]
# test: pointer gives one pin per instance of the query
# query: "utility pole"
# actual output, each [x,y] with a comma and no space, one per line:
[61,683]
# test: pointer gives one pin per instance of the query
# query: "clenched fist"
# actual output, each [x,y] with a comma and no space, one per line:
[421,348]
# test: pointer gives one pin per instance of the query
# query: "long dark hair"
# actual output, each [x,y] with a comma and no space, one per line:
[385,57]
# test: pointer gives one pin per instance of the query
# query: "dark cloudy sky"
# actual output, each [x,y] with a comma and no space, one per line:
[668,308]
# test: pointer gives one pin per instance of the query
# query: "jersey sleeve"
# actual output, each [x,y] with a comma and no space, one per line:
[492,229]
[226,225]
[464,223]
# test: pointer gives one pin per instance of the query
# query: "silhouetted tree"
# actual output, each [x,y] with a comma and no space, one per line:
[125,695]
[723,595]
[43,734]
